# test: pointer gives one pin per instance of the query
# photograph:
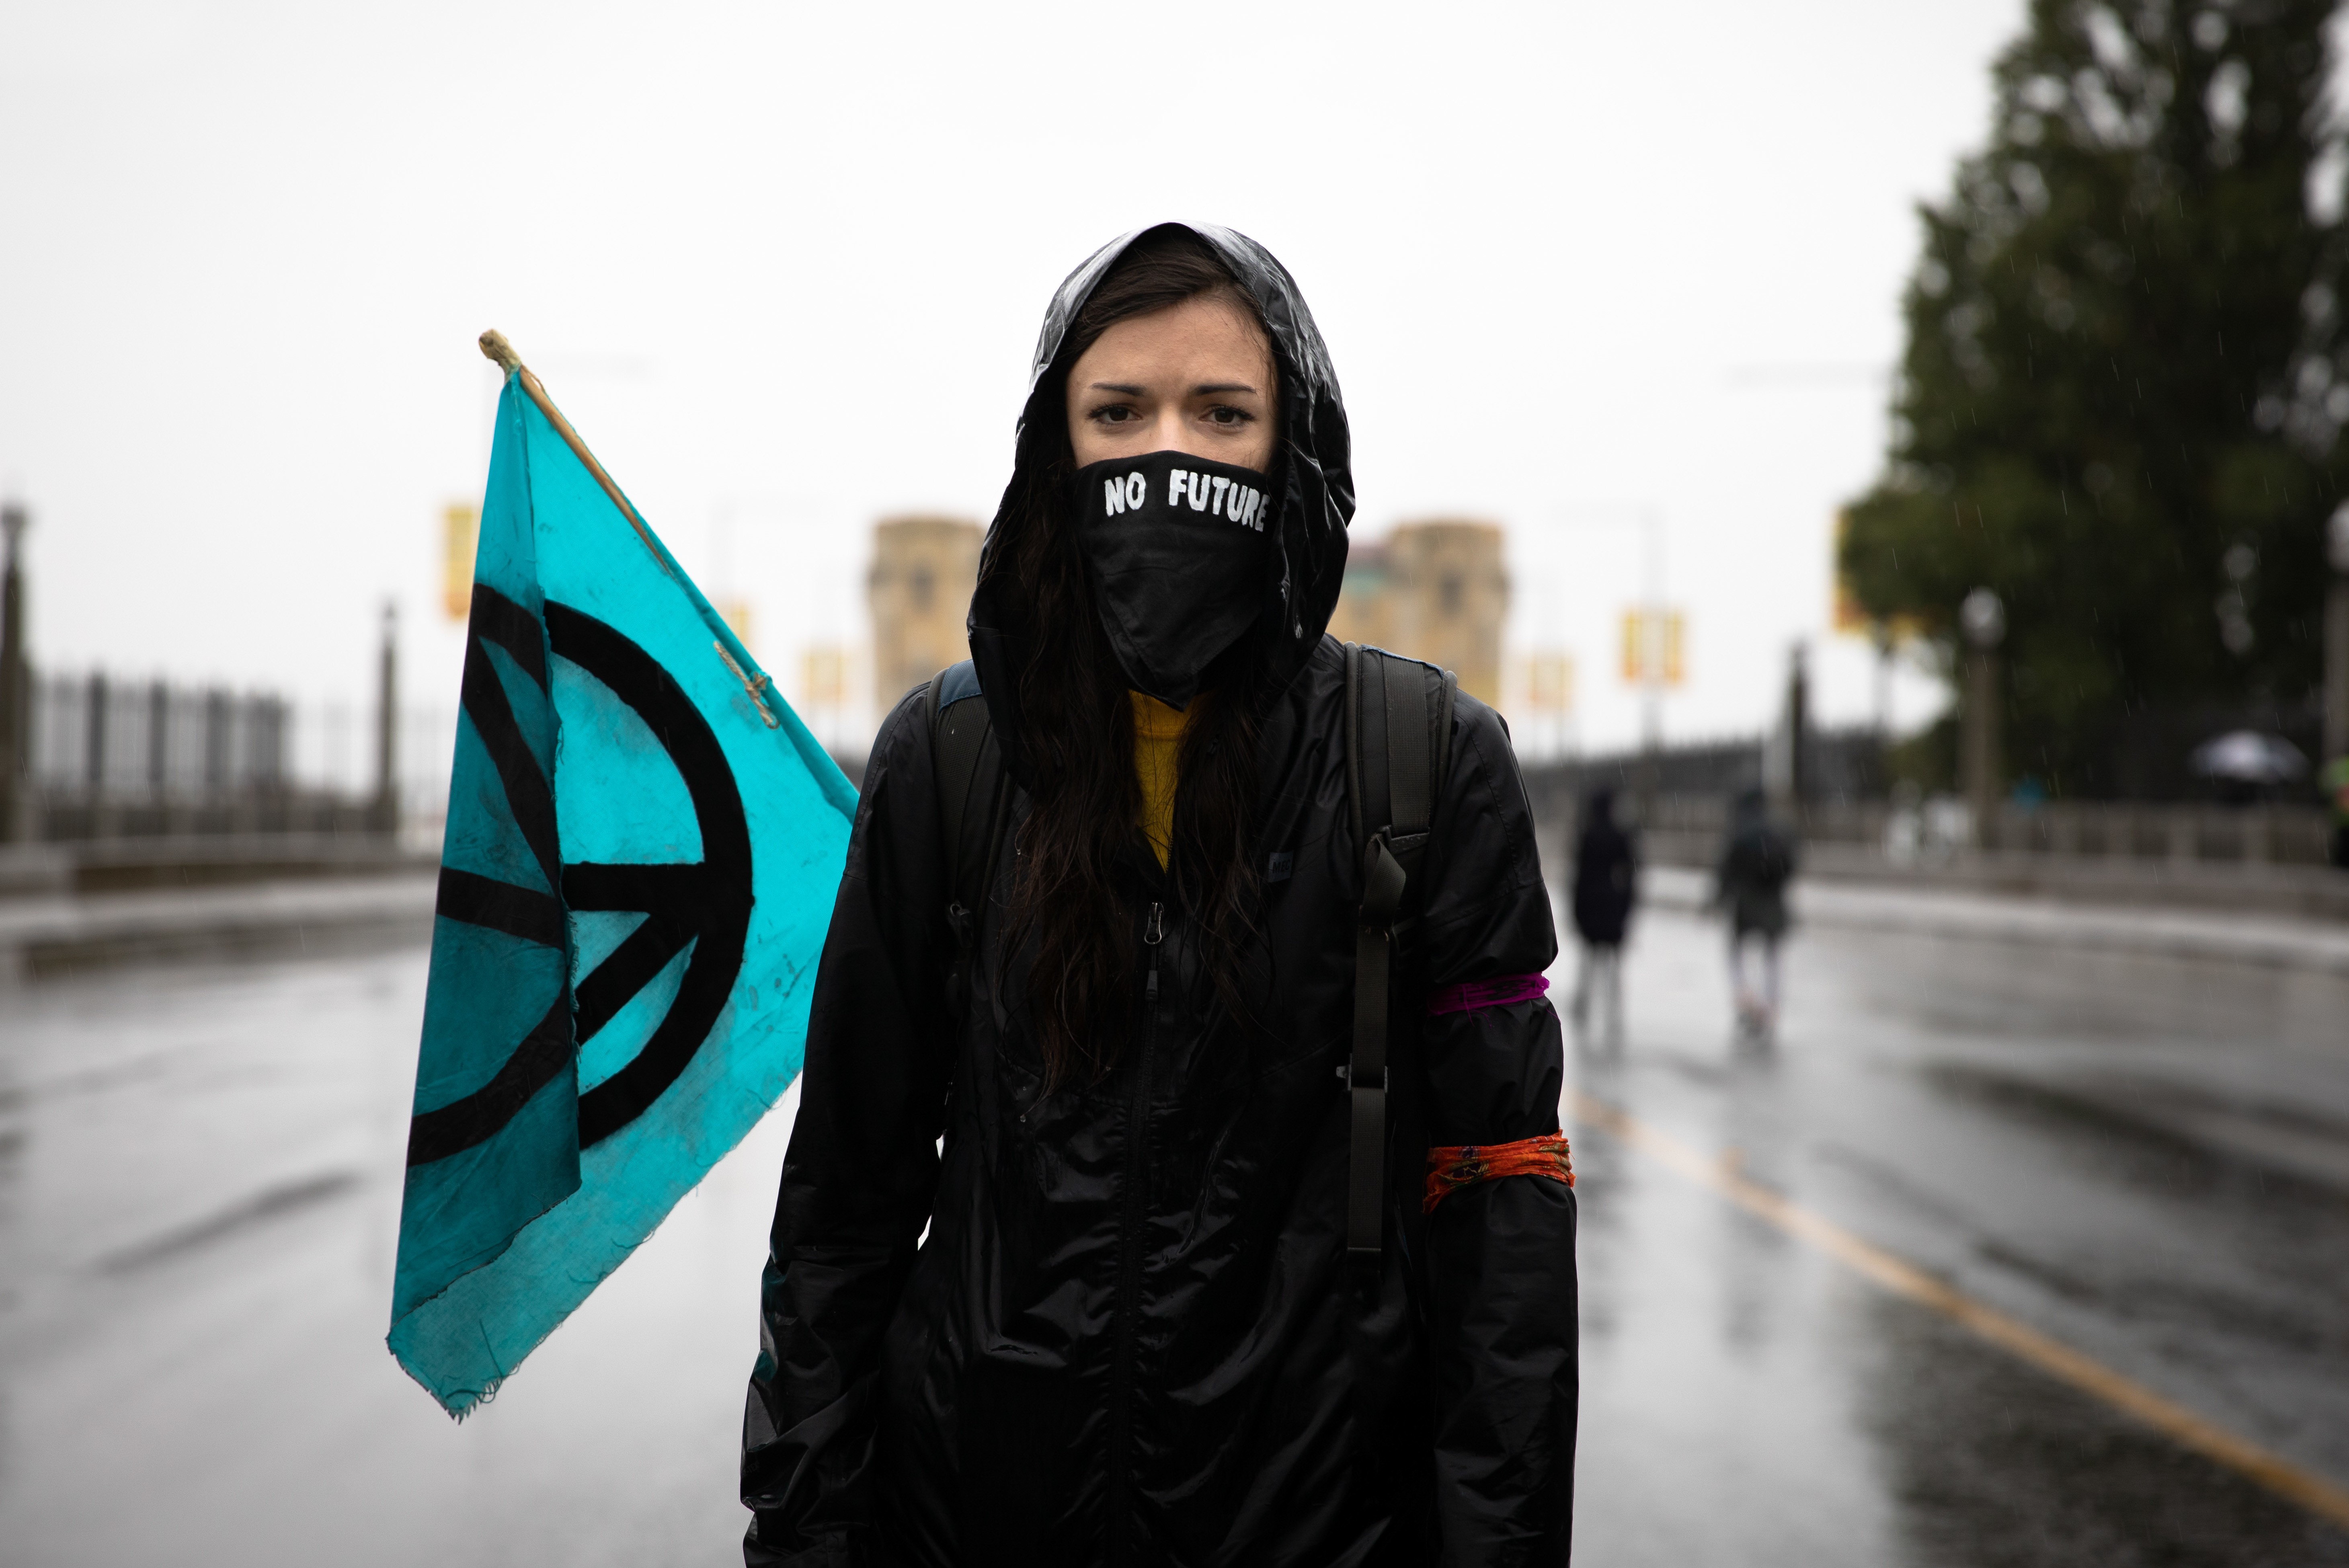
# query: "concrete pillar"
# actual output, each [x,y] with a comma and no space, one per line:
[1785,758]
[1798,731]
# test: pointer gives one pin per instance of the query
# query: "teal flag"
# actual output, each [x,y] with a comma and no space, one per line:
[642,851]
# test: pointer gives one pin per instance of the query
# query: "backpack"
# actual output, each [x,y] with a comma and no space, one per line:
[1398,755]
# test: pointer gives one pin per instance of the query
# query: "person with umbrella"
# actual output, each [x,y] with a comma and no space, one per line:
[2246,765]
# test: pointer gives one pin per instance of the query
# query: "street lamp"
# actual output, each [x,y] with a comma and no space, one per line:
[16,679]
[386,808]
[1783,758]
[1981,619]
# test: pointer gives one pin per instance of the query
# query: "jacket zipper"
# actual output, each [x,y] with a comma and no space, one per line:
[1129,1286]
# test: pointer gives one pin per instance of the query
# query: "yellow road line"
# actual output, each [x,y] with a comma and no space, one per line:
[2091,1377]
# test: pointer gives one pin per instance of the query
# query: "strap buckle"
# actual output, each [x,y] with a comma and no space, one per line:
[1384,881]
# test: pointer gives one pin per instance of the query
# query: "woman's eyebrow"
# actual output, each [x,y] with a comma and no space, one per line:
[1118,387]
[1209,387]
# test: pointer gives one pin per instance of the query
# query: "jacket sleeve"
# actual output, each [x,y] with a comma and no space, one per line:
[860,1175]
[1501,1272]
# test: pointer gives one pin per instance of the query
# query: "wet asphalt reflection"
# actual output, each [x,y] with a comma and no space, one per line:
[2145,1160]
[2148,1160]
[199,1204]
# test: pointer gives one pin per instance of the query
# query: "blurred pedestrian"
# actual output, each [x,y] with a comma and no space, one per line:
[1606,879]
[1757,860]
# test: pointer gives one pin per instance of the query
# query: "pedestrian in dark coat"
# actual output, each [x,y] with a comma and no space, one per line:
[1606,885]
[1757,861]
[1059,1271]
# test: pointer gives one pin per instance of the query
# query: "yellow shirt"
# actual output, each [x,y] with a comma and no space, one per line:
[1157,744]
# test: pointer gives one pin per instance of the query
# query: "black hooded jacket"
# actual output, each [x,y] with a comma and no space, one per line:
[1116,1324]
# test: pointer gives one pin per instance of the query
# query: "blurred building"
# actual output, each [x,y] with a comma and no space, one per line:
[1435,590]
[924,569]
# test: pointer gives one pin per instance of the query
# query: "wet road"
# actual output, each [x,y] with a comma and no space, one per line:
[2145,1161]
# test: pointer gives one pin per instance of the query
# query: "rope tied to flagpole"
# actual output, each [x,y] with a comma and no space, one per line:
[498,351]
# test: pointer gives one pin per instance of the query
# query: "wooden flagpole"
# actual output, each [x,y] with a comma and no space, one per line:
[495,348]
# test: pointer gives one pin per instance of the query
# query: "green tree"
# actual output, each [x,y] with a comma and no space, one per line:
[2121,388]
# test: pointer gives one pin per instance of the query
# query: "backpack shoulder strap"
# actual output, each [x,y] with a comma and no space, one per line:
[967,767]
[1398,755]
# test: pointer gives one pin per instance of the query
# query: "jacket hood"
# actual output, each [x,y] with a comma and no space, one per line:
[1312,479]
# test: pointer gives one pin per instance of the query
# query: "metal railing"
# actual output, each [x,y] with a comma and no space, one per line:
[111,758]
[1939,831]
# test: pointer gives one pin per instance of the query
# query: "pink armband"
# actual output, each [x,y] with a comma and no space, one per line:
[1479,993]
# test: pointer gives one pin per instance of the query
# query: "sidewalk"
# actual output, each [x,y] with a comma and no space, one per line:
[194,861]
[54,934]
[2278,941]
[2213,886]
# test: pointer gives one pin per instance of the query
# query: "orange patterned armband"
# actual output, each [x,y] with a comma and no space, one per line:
[1450,1170]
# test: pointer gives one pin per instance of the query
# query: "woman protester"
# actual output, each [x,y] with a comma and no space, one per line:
[1064,1266]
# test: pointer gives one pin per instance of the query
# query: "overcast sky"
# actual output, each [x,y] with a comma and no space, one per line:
[783,265]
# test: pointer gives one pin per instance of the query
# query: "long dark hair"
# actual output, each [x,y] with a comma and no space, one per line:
[1076,731]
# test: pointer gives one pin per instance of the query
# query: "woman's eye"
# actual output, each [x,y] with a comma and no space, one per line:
[1114,414]
[1224,414]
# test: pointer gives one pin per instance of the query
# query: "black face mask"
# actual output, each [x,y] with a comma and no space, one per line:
[1175,546]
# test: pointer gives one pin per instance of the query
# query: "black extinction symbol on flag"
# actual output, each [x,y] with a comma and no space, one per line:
[706,903]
